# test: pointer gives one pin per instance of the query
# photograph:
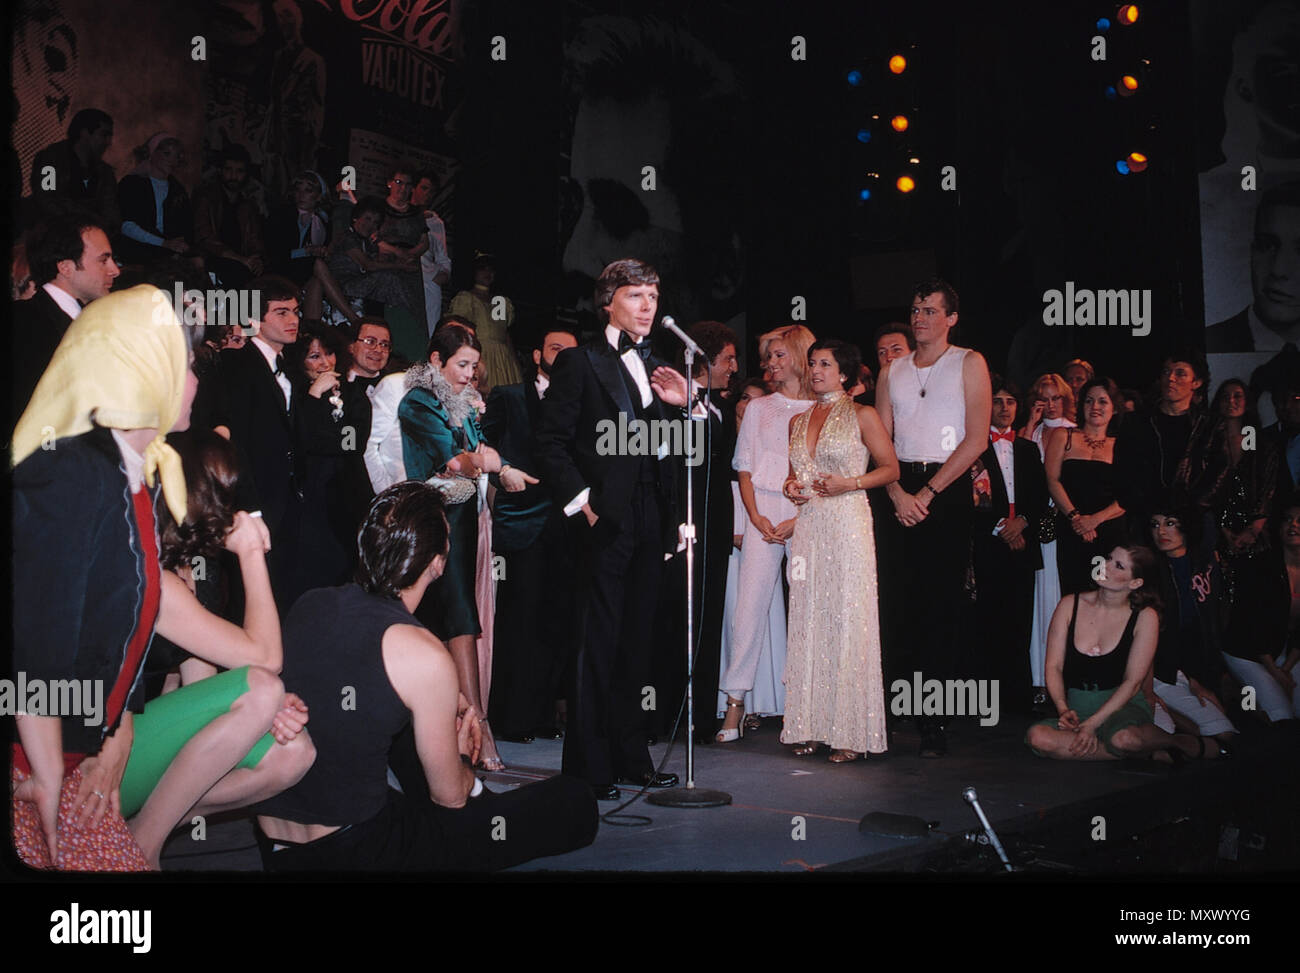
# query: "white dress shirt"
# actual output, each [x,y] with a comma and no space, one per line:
[270,354]
[1005,452]
[66,302]
[542,383]
[385,464]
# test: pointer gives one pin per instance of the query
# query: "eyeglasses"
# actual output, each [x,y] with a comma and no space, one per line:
[372,342]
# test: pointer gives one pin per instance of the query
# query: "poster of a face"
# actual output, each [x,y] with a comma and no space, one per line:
[652,106]
[1250,199]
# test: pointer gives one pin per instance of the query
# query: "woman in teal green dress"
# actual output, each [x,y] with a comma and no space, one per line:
[443,443]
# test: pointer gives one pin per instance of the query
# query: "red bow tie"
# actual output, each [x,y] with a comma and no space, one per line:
[1009,436]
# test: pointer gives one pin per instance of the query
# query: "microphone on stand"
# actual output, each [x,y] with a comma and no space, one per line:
[687,340]
[689,795]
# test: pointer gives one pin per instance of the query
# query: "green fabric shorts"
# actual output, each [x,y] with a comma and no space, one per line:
[1085,702]
[171,721]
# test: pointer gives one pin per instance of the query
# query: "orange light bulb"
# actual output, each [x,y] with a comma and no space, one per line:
[899,123]
[898,64]
[905,184]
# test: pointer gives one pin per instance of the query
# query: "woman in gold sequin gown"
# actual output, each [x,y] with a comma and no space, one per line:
[833,682]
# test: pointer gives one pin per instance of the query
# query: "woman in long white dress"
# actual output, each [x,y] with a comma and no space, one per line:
[763,460]
[835,691]
[1051,400]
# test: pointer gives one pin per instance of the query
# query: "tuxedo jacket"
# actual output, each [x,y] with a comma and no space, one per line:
[38,327]
[1031,495]
[588,387]
[711,480]
[513,413]
[243,395]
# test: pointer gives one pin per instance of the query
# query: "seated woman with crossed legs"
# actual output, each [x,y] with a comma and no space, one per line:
[1097,689]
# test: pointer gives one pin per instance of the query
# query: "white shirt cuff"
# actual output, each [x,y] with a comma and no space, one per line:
[574,505]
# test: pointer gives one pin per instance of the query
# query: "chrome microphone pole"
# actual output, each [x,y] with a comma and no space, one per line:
[689,795]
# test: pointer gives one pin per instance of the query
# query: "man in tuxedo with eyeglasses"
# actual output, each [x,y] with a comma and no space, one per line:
[623,509]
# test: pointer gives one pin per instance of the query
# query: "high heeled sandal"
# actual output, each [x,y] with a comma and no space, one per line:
[845,756]
[730,736]
[807,749]
[490,764]
[752,721]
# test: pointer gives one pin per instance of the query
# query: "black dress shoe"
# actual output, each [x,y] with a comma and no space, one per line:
[609,793]
[651,739]
[548,733]
[650,780]
[525,737]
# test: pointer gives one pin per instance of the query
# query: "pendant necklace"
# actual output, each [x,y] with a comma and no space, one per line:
[930,375]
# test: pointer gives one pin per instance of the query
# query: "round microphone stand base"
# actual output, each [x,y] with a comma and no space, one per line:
[689,797]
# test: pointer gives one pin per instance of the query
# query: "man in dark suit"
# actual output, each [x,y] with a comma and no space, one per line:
[534,618]
[250,399]
[72,264]
[625,494]
[1273,317]
[711,496]
[1006,550]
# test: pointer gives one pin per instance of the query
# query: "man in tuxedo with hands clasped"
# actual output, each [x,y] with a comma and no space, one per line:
[622,502]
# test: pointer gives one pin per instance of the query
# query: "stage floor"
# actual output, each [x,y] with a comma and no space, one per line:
[796,814]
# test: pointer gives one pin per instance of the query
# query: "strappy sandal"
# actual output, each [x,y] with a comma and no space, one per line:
[730,736]
[845,756]
[807,749]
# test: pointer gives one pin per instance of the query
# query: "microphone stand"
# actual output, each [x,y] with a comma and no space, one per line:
[690,795]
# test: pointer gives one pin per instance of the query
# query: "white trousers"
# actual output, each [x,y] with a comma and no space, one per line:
[1269,695]
[1047,594]
[759,581]
[1178,696]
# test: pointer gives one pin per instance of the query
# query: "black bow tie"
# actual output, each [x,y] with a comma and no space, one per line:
[279,365]
[626,344]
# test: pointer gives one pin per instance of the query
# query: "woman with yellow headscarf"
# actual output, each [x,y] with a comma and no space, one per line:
[90,458]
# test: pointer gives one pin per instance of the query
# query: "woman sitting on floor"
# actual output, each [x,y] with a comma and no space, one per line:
[190,555]
[1097,689]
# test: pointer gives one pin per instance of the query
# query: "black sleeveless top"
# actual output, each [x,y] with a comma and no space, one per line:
[333,659]
[1097,672]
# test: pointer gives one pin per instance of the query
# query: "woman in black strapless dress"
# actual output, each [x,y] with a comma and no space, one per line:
[1085,483]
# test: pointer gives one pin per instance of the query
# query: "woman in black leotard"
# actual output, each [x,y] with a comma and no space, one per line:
[1100,647]
[1084,481]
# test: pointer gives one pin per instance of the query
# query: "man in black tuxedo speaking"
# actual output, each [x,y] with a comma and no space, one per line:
[624,501]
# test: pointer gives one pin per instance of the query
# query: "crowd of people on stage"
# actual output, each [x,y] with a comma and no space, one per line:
[305,569]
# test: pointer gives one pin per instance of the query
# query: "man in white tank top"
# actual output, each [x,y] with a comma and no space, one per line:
[935,402]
